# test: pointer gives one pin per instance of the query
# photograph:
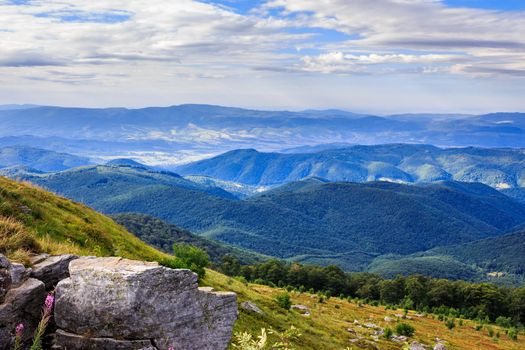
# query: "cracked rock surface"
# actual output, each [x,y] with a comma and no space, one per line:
[137,305]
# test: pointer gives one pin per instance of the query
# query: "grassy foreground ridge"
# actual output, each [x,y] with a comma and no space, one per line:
[46,223]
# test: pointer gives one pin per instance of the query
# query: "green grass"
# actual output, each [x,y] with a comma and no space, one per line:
[58,225]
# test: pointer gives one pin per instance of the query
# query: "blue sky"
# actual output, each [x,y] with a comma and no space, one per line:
[383,56]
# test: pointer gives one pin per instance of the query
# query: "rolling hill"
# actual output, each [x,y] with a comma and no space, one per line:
[163,235]
[310,221]
[39,159]
[48,223]
[497,254]
[407,163]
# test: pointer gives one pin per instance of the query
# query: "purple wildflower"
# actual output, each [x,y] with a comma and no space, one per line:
[171,347]
[48,304]
[19,329]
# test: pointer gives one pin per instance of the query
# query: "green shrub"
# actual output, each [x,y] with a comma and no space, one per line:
[283,300]
[388,333]
[192,258]
[405,329]
[450,324]
[504,322]
[513,334]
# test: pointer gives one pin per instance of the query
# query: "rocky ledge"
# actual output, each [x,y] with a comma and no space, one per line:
[114,303]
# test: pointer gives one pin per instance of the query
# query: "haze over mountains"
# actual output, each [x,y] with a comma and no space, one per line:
[399,206]
[178,134]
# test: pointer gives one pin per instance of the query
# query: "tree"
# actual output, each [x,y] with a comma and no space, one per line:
[283,300]
[192,258]
[230,266]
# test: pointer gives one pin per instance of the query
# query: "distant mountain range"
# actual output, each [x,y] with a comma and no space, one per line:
[501,168]
[358,226]
[174,135]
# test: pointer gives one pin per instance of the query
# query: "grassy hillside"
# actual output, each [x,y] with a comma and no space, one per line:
[332,323]
[33,220]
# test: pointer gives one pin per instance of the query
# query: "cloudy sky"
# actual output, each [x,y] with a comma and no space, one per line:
[381,56]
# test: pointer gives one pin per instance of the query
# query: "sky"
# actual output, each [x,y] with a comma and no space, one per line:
[373,56]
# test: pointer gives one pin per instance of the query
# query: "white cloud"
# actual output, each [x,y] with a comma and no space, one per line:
[144,52]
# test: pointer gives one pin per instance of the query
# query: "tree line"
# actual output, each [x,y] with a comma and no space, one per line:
[485,302]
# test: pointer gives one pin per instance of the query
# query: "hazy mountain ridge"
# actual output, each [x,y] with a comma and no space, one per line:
[177,134]
[499,168]
[39,159]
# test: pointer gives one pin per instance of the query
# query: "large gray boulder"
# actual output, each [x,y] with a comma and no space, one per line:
[125,300]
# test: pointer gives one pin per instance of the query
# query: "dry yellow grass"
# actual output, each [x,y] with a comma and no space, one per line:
[327,327]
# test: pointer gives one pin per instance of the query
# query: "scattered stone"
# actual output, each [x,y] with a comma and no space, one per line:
[399,338]
[25,209]
[19,274]
[371,325]
[249,306]
[356,322]
[440,346]
[420,315]
[52,269]
[301,308]
[35,259]
[379,332]
[125,300]
[306,314]
[417,346]
[388,319]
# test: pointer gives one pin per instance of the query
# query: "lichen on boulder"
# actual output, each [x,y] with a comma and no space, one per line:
[126,300]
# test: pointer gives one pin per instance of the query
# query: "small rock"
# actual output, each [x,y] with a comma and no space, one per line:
[306,314]
[416,346]
[301,308]
[351,331]
[53,269]
[371,325]
[25,209]
[35,259]
[399,338]
[440,346]
[388,319]
[356,322]
[420,315]
[379,332]
[249,306]
[19,274]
